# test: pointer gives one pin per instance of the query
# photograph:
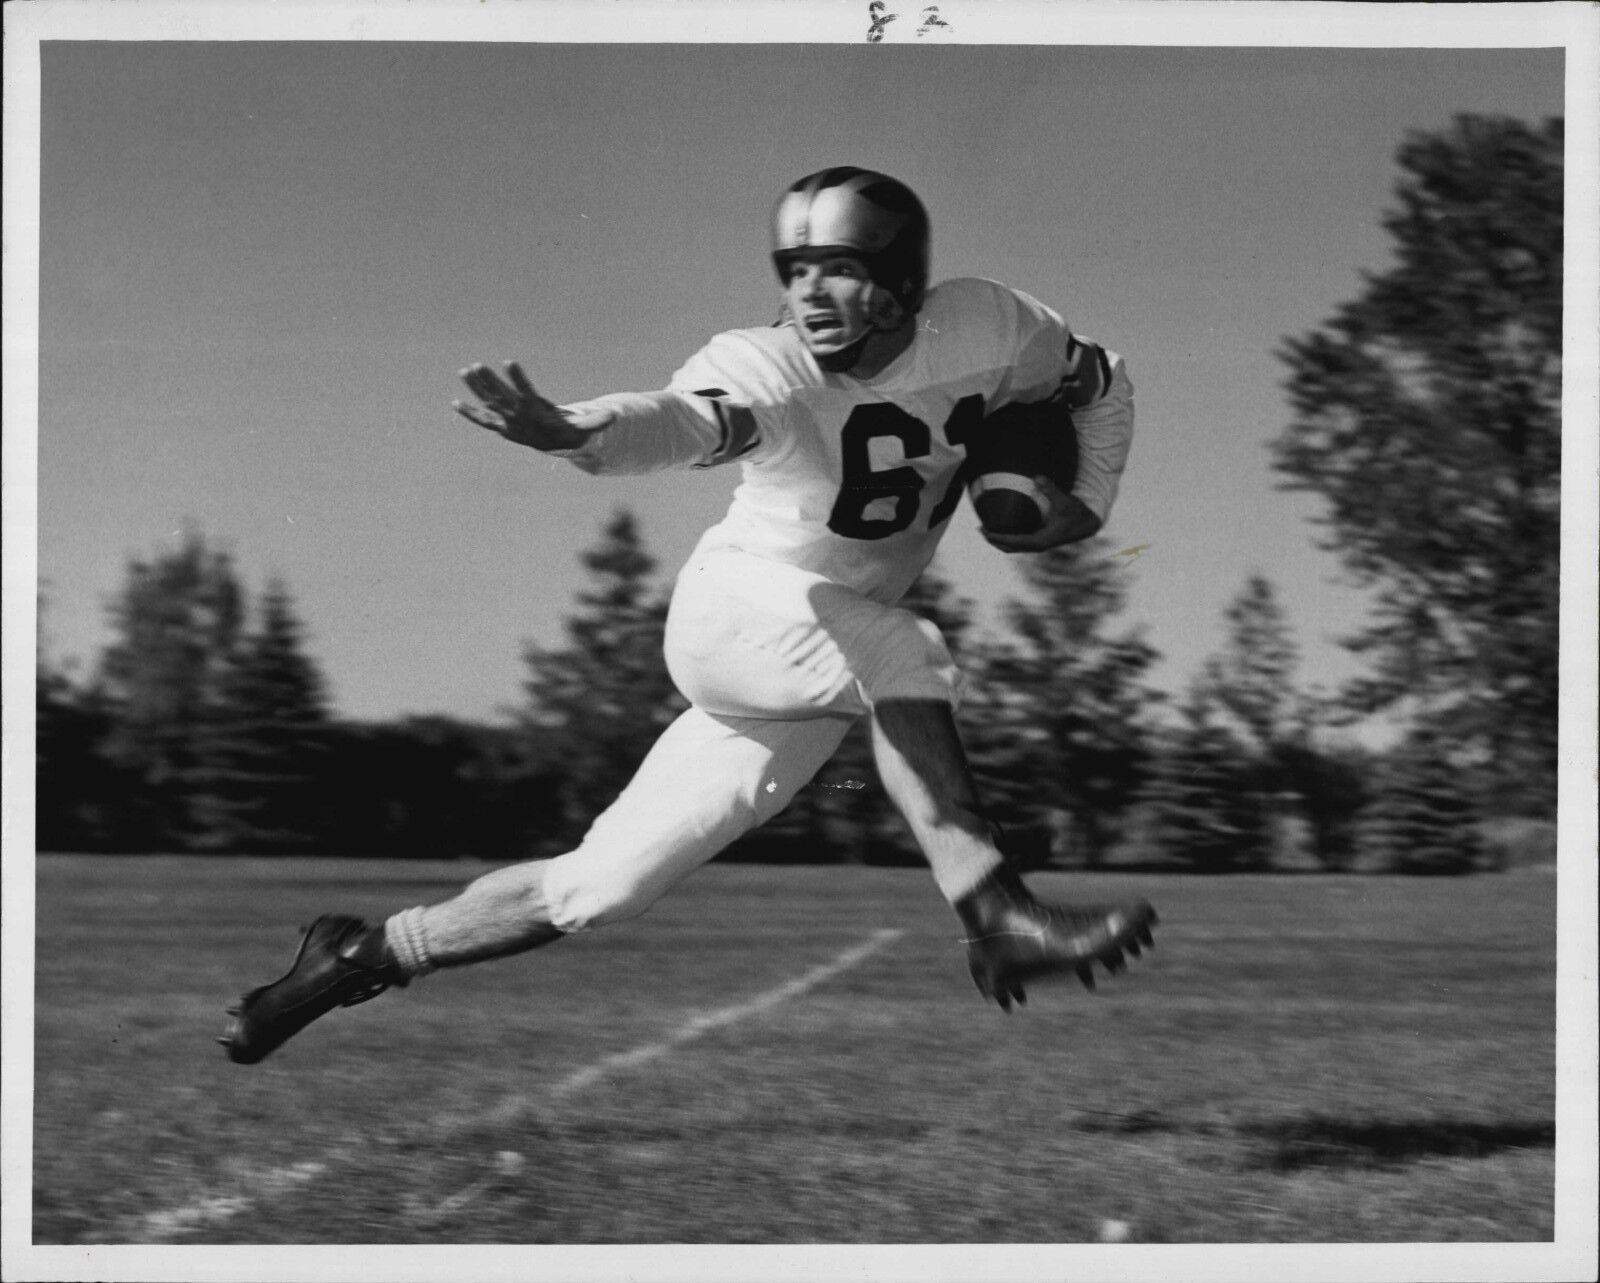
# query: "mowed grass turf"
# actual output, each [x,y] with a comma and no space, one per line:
[1302,1059]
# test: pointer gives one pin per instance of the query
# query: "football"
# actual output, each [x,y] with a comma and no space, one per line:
[1009,449]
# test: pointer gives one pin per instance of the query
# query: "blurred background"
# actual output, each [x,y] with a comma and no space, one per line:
[290,603]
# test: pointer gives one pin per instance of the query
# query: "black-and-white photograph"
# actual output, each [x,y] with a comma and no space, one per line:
[800,641]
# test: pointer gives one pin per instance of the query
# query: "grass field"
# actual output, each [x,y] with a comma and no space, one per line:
[1302,1059]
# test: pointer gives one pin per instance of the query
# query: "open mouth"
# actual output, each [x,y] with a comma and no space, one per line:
[823,324]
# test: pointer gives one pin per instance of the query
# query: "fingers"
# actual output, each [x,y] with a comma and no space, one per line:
[1078,520]
[479,379]
[513,408]
[480,417]
[1051,491]
[504,393]
[489,388]
[508,398]
[1036,542]
[519,380]
[1008,543]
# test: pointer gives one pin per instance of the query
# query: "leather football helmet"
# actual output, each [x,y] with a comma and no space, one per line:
[875,217]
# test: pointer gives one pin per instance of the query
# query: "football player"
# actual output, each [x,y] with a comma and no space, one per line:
[849,421]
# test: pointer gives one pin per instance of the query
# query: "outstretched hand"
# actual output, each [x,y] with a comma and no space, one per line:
[1070,521]
[513,409]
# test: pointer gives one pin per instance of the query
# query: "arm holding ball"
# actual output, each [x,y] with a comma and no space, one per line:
[1102,422]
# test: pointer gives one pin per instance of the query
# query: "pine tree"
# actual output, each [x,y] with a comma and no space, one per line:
[178,620]
[1251,682]
[1423,819]
[1059,718]
[1206,809]
[258,786]
[599,702]
[1331,785]
[1253,677]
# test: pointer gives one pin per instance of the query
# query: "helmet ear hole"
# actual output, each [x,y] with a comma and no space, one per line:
[884,310]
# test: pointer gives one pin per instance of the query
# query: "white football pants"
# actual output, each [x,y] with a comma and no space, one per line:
[778,663]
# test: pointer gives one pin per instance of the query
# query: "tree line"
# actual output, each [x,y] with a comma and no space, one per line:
[1425,416]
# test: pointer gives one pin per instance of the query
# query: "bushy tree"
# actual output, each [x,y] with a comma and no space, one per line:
[1427,416]
[599,702]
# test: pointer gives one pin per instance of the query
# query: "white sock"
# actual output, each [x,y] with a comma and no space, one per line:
[502,913]
[404,935]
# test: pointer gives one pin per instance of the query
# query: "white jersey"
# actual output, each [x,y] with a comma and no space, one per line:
[856,479]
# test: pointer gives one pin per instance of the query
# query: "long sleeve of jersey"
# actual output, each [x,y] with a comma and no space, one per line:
[657,431]
[695,422]
[1104,423]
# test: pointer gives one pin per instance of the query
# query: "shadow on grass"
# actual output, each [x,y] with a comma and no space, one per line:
[1323,1142]
[1292,1144]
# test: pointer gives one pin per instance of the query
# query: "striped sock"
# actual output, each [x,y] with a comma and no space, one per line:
[500,914]
[407,942]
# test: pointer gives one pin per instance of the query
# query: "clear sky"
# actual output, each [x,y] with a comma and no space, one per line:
[262,264]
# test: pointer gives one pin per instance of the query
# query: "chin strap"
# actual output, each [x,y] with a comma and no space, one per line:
[885,314]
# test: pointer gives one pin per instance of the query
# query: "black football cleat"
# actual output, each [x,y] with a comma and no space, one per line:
[1011,937]
[341,961]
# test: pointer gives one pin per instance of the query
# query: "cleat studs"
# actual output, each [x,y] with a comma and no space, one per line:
[1133,948]
[1114,962]
[1086,974]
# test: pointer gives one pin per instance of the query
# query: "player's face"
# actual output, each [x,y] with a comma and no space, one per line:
[828,296]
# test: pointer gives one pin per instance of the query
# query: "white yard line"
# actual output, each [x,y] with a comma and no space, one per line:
[159,1226]
[156,1227]
[699,1026]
